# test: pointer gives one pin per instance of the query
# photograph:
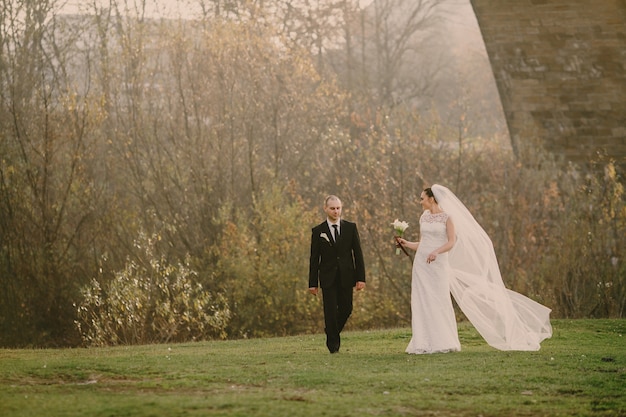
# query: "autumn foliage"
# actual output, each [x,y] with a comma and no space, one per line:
[159,180]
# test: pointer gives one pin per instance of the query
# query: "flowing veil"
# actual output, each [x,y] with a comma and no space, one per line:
[506,319]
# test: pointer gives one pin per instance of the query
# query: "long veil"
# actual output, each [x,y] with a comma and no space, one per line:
[506,319]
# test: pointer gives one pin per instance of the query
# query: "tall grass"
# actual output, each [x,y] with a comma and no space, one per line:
[580,371]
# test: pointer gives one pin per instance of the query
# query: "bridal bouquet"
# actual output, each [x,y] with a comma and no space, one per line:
[399,227]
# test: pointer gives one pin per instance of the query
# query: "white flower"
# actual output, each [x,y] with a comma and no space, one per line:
[400,226]
[325,236]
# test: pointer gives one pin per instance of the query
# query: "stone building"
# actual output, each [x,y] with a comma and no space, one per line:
[560,68]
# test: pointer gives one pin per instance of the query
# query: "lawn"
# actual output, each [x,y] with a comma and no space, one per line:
[580,371]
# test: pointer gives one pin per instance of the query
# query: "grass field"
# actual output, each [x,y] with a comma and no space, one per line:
[580,371]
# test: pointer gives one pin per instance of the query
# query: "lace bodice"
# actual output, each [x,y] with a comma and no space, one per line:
[429,217]
[433,230]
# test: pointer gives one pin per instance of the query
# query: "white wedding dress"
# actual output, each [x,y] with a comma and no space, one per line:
[506,319]
[433,321]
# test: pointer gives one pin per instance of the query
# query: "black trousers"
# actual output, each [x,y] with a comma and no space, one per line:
[337,310]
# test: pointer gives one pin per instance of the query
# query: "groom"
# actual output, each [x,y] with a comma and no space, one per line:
[337,266]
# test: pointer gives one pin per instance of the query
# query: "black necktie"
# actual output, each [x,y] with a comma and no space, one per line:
[336,232]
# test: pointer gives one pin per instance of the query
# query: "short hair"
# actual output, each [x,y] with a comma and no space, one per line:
[331,197]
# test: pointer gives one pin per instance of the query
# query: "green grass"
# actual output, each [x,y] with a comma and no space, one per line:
[580,371]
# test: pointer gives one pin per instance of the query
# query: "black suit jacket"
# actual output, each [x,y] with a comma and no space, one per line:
[328,257]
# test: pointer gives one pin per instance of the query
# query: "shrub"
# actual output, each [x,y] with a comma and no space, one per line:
[263,266]
[151,302]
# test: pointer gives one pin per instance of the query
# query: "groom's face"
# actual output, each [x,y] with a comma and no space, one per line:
[333,210]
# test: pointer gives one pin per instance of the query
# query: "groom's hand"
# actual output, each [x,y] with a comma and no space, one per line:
[360,285]
[313,290]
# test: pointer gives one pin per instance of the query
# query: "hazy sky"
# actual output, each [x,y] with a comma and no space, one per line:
[459,15]
[170,8]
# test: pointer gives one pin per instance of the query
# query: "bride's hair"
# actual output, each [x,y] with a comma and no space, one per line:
[429,193]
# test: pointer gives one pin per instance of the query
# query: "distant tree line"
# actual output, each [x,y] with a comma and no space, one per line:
[159,178]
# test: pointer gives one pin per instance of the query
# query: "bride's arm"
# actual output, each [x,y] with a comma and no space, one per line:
[407,244]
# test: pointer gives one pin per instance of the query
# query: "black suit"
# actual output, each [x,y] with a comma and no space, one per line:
[336,267]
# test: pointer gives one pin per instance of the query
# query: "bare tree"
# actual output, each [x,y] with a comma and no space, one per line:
[381,56]
[49,201]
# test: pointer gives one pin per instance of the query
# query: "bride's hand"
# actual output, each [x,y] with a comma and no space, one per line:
[432,257]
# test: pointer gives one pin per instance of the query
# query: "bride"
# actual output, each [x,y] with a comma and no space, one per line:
[456,256]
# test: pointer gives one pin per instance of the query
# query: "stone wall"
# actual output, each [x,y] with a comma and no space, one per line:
[560,68]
